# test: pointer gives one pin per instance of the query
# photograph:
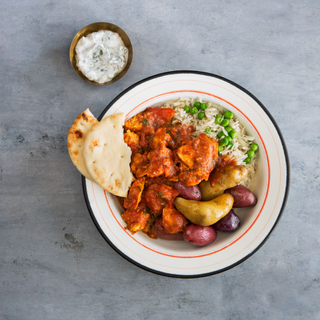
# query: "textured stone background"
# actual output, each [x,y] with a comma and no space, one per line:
[54,264]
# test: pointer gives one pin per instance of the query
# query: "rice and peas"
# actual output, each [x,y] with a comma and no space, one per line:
[240,146]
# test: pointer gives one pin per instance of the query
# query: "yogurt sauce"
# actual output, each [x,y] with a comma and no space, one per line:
[101,55]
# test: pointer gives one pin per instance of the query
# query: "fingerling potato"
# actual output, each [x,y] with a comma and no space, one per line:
[205,213]
[229,178]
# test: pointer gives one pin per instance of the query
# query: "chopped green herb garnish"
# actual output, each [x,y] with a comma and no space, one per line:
[145,122]
[160,194]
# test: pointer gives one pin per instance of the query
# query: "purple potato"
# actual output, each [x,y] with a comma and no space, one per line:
[228,223]
[243,197]
[198,235]
[190,193]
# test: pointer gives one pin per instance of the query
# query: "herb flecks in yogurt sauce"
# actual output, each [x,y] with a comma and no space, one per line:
[101,55]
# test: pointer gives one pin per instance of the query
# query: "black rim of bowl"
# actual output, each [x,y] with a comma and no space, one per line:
[283,202]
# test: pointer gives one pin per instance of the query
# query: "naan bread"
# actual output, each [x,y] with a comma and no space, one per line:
[107,156]
[76,135]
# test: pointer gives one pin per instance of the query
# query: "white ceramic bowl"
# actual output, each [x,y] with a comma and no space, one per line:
[178,258]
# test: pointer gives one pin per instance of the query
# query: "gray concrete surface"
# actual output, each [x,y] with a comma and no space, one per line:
[54,264]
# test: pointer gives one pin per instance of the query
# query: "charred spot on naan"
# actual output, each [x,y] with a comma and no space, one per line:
[79,134]
[94,143]
[74,136]
[84,116]
[118,183]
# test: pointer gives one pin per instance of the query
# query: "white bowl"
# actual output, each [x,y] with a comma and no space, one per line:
[178,258]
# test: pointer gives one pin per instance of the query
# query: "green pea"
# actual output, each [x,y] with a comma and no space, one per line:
[233,134]
[197,105]
[254,147]
[250,154]
[220,134]
[247,160]
[207,131]
[203,106]
[228,114]
[225,122]
[219,118]
[194,110]
[228,138]
[223,142]
[220,149]
[228,128]
[201,115]
[230,144]
[186,109]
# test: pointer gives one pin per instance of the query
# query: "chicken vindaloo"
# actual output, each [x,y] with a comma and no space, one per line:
[163,153]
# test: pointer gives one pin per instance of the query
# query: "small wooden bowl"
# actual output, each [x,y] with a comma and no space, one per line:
[95,27]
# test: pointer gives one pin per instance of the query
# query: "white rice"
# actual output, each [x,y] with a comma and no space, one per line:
[241,144]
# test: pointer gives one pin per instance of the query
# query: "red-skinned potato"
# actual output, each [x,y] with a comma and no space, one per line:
[198,235]
[190,193]
[162,233]
[243,197]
